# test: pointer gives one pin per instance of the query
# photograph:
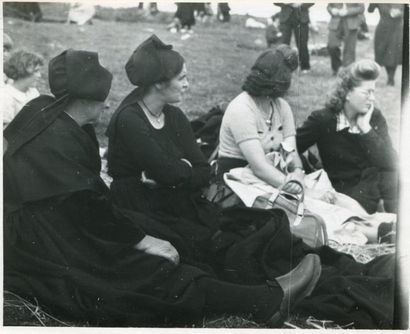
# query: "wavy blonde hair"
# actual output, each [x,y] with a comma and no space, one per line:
[21,64]
[349,78]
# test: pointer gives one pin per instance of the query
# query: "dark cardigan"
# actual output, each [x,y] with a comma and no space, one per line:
[137,146]
[346,155]
[348,158]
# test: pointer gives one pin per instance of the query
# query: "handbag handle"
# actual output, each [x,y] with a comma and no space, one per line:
[300,198]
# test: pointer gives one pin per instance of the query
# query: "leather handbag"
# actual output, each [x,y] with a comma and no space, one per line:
[304,224]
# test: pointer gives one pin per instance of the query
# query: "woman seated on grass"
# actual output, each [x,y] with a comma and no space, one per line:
[259,121]
[23,71]
[81,258]
[353,140]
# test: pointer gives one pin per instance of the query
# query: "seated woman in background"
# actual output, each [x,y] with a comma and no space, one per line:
[23,71]
[353,140]
[259,121]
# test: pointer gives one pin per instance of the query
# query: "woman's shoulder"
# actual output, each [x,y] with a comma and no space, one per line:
[377,114]
[323,115]
[282,105]
[32,93]
[242,97]
[175,113]
[169,108]
[280,101]
[130,114]
[240,105]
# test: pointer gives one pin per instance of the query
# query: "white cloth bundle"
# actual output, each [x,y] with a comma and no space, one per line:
[338,217]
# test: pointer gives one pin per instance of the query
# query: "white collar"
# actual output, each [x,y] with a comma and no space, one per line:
[20,96]
[342,123]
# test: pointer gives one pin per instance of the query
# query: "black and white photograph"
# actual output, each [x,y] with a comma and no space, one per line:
[196,165]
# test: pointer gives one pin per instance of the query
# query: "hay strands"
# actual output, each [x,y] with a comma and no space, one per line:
[325,324]
[35,310]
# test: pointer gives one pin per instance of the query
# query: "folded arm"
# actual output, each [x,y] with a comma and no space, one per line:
[159,164]
[201,170]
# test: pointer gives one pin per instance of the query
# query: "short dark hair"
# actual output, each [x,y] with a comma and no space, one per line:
[271,75]
[21,64]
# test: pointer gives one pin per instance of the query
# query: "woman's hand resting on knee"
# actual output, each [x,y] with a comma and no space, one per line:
[158,247]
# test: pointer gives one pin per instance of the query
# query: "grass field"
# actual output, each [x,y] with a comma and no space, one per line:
[218,58]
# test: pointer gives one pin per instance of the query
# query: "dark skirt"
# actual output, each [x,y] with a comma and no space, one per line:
[372,186]
[185,13]
[388,42]
[50,255]
[252,245]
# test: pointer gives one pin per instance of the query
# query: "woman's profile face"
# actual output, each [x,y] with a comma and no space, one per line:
[32,79]
[361,98]
[174,89]
[92,109]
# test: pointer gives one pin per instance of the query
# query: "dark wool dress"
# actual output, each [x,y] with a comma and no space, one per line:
[68,248]
[388,40]
[241,245]
[65,245]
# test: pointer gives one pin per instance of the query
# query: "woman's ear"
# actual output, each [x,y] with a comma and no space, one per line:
[159,86]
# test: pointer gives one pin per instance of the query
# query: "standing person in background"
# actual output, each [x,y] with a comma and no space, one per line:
[185,15]
[23,68]
[294,17]
[153,7]
[223,12]
[203,11]
[343,27]
[388,40]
